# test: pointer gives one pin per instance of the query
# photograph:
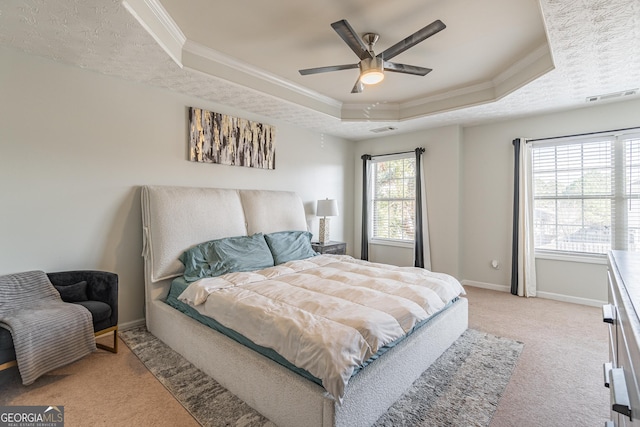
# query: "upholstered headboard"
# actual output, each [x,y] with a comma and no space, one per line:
[177,218]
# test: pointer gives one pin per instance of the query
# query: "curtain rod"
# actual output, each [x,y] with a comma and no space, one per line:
[393,154]
[582,134]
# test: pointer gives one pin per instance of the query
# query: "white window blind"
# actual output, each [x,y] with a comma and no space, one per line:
[586,194]
[393,197]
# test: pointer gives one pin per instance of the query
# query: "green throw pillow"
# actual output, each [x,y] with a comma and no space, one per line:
[228,255]
[290,245]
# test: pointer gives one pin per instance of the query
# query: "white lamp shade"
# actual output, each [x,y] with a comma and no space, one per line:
[328,207]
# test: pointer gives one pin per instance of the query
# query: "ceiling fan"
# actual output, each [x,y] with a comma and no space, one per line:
[372,66]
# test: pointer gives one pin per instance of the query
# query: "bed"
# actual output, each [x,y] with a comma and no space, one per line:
[176,219]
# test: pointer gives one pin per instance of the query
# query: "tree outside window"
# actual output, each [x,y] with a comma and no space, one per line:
[394,194]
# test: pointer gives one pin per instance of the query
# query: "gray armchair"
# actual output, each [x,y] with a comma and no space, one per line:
[95,290]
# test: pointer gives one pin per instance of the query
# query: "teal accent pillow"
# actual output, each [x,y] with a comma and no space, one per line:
[290,245]
[228,255]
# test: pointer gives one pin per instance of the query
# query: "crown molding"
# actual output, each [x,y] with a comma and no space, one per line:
[189,54]
[220,58]
[541,54]
[155,19]
[536,64]
[160,25]
[527,69]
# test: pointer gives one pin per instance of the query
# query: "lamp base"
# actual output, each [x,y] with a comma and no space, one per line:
[324,230]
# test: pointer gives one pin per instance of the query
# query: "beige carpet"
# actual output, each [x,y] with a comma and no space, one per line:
[557,382]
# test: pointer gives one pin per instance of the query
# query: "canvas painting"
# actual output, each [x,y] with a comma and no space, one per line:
[227,140]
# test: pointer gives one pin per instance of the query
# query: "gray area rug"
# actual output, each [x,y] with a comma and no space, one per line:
[462,388]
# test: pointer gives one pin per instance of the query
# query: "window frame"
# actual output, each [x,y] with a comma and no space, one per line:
[404,243]
[619,194]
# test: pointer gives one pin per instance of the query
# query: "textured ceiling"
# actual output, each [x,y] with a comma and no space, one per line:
[480,41]
[595,45]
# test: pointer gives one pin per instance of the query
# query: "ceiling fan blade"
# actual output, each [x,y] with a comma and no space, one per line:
[415,38]
[350,37]
[358,87]
[327,69]
[406,69]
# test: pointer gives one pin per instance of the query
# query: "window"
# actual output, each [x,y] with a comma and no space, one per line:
[394,197]
[586,194]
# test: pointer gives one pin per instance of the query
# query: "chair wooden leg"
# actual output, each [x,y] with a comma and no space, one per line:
[9,364]
[113,329]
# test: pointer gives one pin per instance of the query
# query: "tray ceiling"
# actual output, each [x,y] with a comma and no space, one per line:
[488,50]
[496,59]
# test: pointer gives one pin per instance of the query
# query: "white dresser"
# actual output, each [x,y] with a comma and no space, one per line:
[621,373]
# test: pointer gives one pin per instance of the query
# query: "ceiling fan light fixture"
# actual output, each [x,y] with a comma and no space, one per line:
[371,70]
[372,66]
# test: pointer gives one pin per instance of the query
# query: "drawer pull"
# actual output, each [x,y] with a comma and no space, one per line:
[608,313]
[620,394]
[607,367]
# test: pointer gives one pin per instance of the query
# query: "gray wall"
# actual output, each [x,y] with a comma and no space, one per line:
[487,187]
[442,176]
[75,147]
[470,199]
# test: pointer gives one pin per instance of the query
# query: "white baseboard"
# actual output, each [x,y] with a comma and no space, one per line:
[131,325]
[540,294]
[572,299]
[483,285]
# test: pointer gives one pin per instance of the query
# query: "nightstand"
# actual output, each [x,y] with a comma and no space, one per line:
[331,247]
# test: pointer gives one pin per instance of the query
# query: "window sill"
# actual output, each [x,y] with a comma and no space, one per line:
[396,243]
[583,258]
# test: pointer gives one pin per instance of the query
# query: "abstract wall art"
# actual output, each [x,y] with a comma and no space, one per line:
[227,140]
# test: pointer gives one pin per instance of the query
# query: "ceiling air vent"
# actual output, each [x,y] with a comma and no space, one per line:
[614,95]
[384,129]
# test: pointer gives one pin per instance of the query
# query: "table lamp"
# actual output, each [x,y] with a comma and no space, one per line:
[325,208]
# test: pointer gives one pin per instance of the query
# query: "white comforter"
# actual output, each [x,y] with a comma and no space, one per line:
[326,314]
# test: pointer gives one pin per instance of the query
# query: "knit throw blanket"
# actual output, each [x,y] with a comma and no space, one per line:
[47,332]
